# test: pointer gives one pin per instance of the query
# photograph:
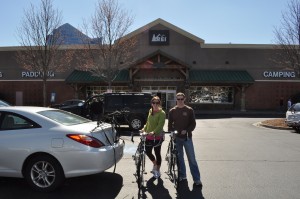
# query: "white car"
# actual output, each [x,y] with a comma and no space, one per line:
[46,145]
[292,118]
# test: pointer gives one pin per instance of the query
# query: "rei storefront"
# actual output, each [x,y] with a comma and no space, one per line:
[169,60]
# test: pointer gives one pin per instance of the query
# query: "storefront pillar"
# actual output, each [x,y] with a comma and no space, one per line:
[243,99]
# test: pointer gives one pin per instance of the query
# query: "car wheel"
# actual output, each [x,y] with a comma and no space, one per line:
[136,123]
[297,128]
[44,173]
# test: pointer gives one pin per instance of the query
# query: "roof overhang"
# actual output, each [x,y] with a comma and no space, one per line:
[166,24]
[160,52]
[78,76]
[220,76]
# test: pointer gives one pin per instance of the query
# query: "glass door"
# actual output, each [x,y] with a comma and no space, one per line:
[167,96]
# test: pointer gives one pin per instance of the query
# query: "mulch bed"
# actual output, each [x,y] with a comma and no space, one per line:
[279,123]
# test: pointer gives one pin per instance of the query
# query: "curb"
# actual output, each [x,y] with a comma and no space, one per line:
[274,127]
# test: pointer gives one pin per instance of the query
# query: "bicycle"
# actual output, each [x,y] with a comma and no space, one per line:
[172,160]
[112,118]
[140,159]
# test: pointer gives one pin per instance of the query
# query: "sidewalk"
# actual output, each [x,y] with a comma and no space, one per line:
[230,113]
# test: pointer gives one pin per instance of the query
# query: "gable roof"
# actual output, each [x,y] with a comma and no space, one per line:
[160,52]
[168,25]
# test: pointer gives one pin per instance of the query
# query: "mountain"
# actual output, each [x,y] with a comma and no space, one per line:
[72,35]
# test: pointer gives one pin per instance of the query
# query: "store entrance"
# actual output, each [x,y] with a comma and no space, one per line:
[167,97]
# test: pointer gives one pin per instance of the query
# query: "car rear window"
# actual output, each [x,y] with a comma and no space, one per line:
[137,99]
[63,117]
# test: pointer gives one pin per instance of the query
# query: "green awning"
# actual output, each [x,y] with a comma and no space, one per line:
[78,76]
[220,76]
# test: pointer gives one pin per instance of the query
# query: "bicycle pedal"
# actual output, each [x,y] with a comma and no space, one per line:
[133,157]
[167,158]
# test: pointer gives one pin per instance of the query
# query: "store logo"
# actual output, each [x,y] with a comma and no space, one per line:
[159,37]
[28,74]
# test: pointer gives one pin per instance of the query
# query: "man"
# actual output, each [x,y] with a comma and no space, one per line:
[182,119]
[289,104]
[96,109]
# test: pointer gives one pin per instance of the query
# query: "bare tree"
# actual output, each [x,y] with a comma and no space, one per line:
[109,51]
[287,37]
[42,44]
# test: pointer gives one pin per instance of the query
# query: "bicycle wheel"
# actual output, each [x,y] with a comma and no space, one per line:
[168,158]
[143,157]
[175,169]
[140,170]
[137,154]
[139,173]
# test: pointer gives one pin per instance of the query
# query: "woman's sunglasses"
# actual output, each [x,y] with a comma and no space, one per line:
[180,99]
[155,102]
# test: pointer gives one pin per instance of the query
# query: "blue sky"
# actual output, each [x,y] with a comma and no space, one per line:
[215,21]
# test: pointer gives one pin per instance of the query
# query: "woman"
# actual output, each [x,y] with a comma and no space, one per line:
[154,128]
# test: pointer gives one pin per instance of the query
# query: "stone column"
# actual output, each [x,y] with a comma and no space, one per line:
[243,98]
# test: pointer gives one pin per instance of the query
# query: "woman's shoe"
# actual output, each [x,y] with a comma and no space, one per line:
[153,169]
[156,174]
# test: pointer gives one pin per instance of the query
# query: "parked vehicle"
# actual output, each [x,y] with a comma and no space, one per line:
[4,103]
[293,117]
[46,145]
[136,106]
[70,105]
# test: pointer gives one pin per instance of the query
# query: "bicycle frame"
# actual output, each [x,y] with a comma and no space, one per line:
[112,119]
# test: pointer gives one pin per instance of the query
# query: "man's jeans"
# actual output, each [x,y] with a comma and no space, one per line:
[189,149]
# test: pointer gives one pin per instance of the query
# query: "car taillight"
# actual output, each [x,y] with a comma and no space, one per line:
[86,140]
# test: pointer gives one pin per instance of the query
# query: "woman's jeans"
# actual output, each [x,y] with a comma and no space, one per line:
[189,149]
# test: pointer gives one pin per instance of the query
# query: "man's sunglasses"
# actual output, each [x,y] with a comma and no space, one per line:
[180,99]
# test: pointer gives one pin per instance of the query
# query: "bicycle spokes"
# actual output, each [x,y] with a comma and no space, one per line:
[175,171]
[172,163]
[140,171]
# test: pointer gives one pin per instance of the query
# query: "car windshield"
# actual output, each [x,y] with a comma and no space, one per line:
[63,117]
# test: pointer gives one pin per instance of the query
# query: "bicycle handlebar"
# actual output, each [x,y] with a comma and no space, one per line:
[137,133]
[172,133]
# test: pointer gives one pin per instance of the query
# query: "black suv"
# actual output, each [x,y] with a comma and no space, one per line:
[136,106]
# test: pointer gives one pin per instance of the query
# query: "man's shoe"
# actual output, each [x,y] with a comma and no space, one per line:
[198,184]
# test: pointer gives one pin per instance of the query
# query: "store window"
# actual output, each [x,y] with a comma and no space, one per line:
[211,94]
[103,89]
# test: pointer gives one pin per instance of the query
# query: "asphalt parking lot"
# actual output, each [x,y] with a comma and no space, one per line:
[237,159]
